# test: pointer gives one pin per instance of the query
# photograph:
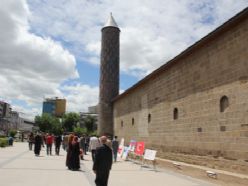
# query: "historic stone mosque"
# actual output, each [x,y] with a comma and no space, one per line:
[195,104]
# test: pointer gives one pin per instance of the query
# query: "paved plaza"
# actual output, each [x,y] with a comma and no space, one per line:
[19,167]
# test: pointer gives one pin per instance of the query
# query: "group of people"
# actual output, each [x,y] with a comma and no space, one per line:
[40,140]
[103,151]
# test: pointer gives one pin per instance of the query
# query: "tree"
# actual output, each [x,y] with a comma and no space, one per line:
[44,122]
[48,123]
[89,122]
[70,121]
[79,131]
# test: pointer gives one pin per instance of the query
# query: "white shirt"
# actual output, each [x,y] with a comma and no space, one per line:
[94,143]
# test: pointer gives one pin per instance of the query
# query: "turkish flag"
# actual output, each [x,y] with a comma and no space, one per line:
[140,147]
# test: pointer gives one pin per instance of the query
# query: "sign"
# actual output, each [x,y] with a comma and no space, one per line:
[121,148]
[125,153]
[132,145]
[150,154]
[140,147]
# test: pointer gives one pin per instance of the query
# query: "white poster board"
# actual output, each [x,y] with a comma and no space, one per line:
[125,153]
[121,148]
[150,154]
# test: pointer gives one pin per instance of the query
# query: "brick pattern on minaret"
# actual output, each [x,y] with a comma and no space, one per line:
[109,78]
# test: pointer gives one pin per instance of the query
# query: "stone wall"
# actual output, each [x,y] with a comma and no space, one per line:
[194,85]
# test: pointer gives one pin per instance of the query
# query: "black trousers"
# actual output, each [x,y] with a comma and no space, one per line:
[57,148]
[102,178]
[93,154]
[49,149]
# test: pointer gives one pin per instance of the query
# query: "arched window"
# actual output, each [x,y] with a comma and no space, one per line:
[121,124]
[133,121]
[149,118]
[224,103]
[175,114]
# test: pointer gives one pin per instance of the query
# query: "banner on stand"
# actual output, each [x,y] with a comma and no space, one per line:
[140,147]
[132,145]
[150,154]
[125,153]
[121,148]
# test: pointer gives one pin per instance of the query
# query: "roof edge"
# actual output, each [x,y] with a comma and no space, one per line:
[209,37]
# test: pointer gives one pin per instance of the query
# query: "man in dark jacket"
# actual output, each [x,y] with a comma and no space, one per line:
[102,163]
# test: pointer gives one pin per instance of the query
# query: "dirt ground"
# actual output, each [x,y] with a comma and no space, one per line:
[221,180]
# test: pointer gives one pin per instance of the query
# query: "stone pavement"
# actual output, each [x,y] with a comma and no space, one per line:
[19,167]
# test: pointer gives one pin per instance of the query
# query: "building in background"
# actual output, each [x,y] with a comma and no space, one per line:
[11,120]
[92,112]
[54,106]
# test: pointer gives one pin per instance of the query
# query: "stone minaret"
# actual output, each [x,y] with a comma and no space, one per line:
[109,75]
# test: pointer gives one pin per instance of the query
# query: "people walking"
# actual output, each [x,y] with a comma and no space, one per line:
[115,146]
[103,163]
[37,144]
[69,152]
[65,142]
[74,158]
[58,140]
[94,144]
[30,140]
[82,144]
[49,142]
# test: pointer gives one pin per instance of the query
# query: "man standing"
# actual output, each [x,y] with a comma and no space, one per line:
[102,163]
[58,140]
[49,143]
[115,146]
[94,144]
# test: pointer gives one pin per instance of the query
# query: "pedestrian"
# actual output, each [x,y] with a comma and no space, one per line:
[58,140]
[49,142]
[103,162]
[30,140]
[94,144]
[37,144]
[65,142]
[69,152]
[74,158]
[115,146]
[82,144]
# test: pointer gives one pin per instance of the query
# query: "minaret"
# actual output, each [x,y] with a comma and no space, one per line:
[109,75]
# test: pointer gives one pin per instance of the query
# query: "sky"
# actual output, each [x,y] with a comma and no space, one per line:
[51,48]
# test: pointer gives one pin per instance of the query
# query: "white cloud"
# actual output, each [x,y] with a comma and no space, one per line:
[31,66]
[152,32]
[79,97]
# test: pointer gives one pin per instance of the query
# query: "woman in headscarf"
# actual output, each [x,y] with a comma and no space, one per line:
[75,154]
[69,152]
[37,144]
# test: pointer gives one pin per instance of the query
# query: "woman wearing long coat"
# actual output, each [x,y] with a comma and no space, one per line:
[69,152]
[75,161]
[37,144]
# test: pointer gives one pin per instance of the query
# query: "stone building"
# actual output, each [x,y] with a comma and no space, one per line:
[196,103]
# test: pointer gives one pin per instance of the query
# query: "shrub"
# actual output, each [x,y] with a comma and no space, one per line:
[12,133]
[3,142]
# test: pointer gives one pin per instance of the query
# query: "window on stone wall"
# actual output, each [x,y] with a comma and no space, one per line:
[121,124]
[149,118]
[224,103]
[175,114]
[133,121]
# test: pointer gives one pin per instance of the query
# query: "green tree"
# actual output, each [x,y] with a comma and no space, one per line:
[79,131]
[12,133]
[48,123]
[70,121]
[89,122]
[44,122]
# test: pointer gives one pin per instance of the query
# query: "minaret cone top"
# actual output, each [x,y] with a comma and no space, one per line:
[111,22]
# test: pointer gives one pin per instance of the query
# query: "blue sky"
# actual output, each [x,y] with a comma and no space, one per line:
[51,47]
